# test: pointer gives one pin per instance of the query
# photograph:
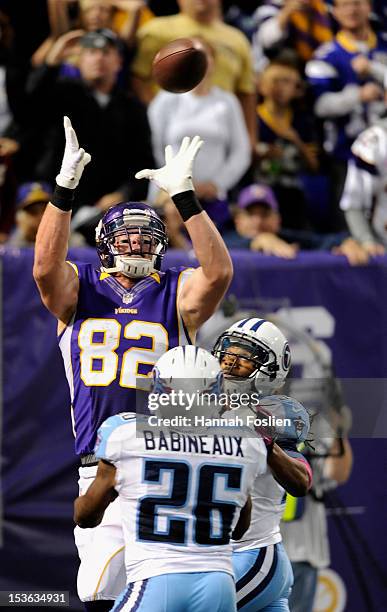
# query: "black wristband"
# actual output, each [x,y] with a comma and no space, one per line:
[63,198]
[187,204]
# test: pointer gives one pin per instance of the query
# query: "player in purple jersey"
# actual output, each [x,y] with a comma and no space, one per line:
[114,323]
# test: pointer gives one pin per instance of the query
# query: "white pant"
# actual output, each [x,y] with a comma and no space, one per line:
[101,573]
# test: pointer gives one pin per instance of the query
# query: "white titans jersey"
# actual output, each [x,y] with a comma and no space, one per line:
[181,494]
[268,503]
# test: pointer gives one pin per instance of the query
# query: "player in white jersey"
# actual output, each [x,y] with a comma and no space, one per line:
[255,358]
[364,199]
[183,492]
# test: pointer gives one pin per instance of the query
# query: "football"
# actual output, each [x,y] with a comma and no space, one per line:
[180,65]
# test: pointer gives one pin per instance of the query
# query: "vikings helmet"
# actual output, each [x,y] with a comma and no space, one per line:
[131,239]
[264,346]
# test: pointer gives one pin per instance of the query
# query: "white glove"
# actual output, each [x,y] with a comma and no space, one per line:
[176,176]
[74,159]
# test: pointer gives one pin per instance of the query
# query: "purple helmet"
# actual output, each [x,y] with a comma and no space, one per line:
[131,239]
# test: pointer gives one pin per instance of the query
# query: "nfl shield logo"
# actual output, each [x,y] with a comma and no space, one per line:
[127,299]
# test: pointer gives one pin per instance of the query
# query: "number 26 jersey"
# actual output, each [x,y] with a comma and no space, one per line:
[112,342]
[180,493]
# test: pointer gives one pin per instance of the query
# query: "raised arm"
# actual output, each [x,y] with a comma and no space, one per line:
[204,289]
[202,292]
[90,507]
[288,466]
[56,280]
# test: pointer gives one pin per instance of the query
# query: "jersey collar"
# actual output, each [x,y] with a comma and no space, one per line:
[271,120]
[352,45]
[128,295]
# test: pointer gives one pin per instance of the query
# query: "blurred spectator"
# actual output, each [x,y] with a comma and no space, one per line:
[364,199]
[112,126]
[122,16]
[347,76]
[233,63]
[31,201]
[287,141]
[302,25]
[118,15]
[215,115]
[258,227]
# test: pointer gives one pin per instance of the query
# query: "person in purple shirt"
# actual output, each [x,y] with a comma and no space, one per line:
[115,322]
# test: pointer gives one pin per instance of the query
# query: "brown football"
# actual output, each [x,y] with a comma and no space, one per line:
[180,65]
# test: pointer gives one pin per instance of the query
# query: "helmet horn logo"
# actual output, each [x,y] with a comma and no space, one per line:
[286,358]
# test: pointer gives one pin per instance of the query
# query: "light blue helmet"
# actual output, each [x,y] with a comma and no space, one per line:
[284,407]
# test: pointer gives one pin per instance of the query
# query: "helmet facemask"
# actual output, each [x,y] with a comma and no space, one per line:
[256,362]
[132,244]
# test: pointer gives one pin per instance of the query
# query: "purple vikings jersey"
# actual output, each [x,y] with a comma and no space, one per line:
[112,342]
[331,70]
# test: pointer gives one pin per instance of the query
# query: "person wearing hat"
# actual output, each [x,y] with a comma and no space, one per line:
[112,124]
[258,227]
[121,16]
[31,201]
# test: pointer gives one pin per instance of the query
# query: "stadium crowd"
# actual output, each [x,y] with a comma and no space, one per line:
[291,85]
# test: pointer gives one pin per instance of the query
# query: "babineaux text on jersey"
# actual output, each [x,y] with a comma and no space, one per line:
[208,445]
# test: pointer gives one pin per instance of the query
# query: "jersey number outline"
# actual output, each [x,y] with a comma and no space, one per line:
[103,352]
[204,507]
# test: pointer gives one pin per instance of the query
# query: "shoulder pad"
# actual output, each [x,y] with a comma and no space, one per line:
[108,444]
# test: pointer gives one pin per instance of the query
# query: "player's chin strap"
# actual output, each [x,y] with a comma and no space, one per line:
[134,267]
[137,267]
